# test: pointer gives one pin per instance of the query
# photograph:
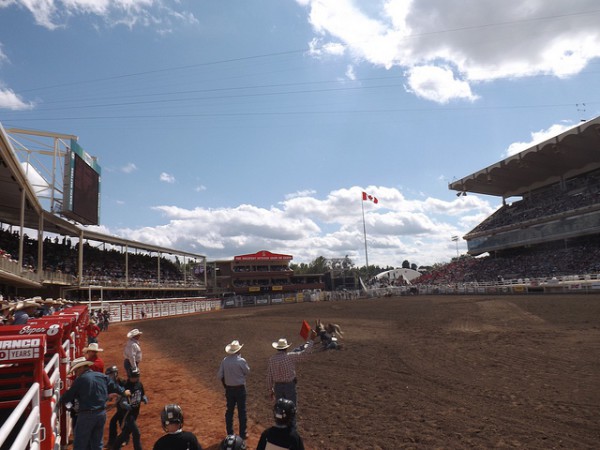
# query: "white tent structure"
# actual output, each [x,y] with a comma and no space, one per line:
[394,275]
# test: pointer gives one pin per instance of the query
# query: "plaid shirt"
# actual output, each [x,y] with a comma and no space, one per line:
[282,365]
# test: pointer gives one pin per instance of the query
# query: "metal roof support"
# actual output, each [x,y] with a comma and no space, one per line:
[40,238]
[80,259]
[21,228]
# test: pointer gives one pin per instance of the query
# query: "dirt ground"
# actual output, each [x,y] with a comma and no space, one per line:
[422,372]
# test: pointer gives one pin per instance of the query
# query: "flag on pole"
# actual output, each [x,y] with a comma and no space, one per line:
[370,198]
[305,330]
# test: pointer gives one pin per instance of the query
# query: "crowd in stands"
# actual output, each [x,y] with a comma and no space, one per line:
[579,192]
[100,266]
[581,257]
[19,311]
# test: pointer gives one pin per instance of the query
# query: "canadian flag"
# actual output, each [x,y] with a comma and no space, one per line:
[369,197]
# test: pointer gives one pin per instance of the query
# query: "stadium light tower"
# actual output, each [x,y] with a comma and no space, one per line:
[455,239]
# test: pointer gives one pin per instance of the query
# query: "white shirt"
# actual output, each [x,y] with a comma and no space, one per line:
[133,352]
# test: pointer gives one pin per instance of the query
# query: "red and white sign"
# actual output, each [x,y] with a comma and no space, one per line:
[17,349]
[263,255]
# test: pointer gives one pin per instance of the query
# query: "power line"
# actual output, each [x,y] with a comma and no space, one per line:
[305,112]
[300,51]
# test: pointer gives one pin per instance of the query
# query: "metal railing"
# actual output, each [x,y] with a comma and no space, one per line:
[29,436]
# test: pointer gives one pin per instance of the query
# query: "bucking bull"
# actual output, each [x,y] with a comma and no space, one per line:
[330,335]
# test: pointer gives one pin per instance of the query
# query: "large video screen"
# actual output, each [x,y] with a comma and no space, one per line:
[81,194]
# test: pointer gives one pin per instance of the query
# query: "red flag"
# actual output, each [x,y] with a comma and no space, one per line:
[370,197]
[305,330]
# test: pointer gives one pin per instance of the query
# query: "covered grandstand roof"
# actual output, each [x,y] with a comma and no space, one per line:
[14,182]
[566,155]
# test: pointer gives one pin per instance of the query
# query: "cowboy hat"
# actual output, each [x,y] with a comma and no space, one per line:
[93,347]
[281,344]
[79,362]
[133,333]
[26,304]
[234,347]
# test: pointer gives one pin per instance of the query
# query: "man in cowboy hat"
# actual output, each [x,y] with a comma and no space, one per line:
[232,373]
[6,313]
[92,331]
[133,351]
[281,370]
[91,354]
[25,310]
[91,389]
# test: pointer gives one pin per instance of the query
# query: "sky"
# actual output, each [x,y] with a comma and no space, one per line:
[228,127]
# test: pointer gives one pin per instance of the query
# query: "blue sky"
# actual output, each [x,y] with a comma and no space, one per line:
[225,128]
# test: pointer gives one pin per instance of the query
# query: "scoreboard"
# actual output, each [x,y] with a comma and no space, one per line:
[81,193]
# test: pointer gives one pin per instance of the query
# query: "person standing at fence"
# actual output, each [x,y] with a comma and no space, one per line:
[6,313]
[281,369]
[93,330]
[91,390]
[232,373]
[25,310]
[91,354]
[133,351]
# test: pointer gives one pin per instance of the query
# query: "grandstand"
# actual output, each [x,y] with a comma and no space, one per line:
[549,221]
[50,192]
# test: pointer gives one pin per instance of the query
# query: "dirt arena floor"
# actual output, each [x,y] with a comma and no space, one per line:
[421,372]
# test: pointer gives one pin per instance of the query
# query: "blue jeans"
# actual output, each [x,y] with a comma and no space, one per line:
[235,396]
[287,391]
[112,426]
[128,367]
[130,427]
[89,430]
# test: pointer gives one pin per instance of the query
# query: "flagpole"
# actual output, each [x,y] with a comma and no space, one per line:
[362,204]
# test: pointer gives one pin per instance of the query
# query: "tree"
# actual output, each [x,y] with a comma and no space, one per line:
[405,264]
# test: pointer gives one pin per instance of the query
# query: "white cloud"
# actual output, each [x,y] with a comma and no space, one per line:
[300,194]
[307,226]
[438,84]
[474,40]
[53,14]
[167,178]
[10,100]
[537,137]
[350,73]
[129,168]
[200,188]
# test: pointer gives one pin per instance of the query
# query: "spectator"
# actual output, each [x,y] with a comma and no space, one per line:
[91,354]
[175,438]
[25,310]
[6,313]
[93,331]
[283,434]
[232,442]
